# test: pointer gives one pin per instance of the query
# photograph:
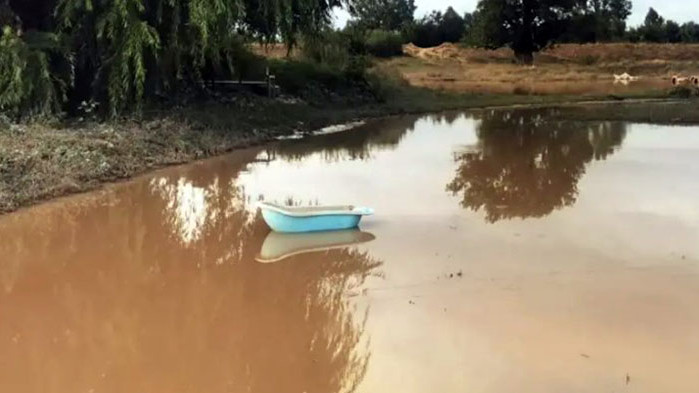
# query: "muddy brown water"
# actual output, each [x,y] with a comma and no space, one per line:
[509,253]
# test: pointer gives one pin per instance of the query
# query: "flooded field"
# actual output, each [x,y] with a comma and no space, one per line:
[509,253]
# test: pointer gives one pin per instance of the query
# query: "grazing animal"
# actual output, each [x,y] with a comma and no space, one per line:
[681,80]
[625,77]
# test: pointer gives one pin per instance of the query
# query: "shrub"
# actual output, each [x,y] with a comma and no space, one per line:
[295,76]
[381,43]
[589,60]
[338,52]
[521,91]
[355,37]
[684,92]
[330,48]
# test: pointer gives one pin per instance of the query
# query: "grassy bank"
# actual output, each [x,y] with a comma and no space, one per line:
[39,161]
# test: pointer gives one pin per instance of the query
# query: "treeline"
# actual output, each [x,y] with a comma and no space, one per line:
[525,26]
[611,26]
[397,16]
[528,26]
[56,55]
[656,29]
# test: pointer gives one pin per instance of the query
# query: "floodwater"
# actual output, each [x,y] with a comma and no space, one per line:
[509,253]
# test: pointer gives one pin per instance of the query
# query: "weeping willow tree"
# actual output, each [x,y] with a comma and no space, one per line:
[28,83]
[56,54]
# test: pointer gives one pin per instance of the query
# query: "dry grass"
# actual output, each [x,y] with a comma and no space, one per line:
[563,69]
[271,51]
[624,52]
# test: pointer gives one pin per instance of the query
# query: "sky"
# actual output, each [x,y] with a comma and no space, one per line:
[678,10]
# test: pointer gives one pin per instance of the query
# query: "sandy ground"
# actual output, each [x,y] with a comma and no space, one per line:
[563,69]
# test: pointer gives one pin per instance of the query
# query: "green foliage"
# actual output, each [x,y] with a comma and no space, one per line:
[382,14]
[127,39]
[452,26]
[526,26]
[689,32]
[28,84]
[303,18]
[321,83]
[332,62]
[123,52]
[597,21]
[295,76]
[330,48]
[656,29]
[381,43]
[437,28]
[653,29]
[672,32]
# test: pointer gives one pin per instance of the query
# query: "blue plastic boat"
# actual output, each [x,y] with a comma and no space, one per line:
[312,219]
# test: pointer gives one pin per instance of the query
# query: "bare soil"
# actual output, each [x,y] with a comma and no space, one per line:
[562,69]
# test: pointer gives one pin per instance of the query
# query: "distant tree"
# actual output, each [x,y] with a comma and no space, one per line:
[451,26]
[526,26]
[656,29]
[673,33]
[382,14]
[618,12]
[425,31]
[598,20]
[653,28]
[633,34]
[653,18]
[690,32]
[468,21]
[437,28]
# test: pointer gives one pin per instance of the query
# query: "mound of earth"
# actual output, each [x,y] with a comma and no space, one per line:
[451,51]
[658,54]
[446,50]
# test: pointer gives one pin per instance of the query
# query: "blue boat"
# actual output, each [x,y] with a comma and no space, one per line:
[313,218]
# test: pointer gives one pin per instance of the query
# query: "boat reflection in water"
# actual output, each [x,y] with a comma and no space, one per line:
[278,246]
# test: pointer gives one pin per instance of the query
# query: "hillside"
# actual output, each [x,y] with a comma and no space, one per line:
[562,69]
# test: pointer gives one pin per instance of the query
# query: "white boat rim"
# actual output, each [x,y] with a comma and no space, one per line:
[311,211]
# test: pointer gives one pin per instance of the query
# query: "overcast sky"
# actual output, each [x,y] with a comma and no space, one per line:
[678,10]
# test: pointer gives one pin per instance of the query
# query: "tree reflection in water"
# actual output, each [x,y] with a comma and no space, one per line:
[356,144]
[137,290]
[526,165]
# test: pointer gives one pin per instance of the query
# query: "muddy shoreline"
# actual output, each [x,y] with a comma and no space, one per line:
[39,162]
